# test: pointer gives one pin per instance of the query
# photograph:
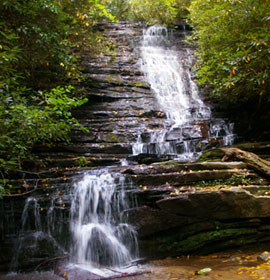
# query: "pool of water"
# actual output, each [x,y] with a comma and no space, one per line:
[232,266]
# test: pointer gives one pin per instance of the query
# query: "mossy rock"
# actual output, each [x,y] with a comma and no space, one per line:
[205,242]
[170,163]
[113,138]
[114,79]
[142,85]
[211,239]
[211,155]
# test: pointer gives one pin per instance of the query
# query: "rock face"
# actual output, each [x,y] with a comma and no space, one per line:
[119,101]
[198,208]
[120,107]
[182,208]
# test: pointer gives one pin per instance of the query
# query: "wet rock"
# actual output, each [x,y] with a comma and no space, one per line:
[149,221]
[73,272]
[183,178]
[199,222]
[226,204]
[149,158]
[174,166]
[265,256]
[36,251]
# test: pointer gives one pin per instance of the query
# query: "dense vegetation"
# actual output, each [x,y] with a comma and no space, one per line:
[39,70]
[234,48]
[149,11]
[41,41]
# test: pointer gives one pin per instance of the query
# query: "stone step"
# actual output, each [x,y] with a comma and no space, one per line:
[81,162]
[106,136]
[114,122]
[108,95]
[176,166]
[187,177]
[87,148]
[132,111]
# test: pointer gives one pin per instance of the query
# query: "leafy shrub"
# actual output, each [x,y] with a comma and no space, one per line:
[233,38]
[39,70]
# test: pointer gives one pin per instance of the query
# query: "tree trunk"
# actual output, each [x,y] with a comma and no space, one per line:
[252,160]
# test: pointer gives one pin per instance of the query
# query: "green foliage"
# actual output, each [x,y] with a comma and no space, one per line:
[39,70]
[150,11]
[81,161]
[234,51]
[119,8]
[50,33]
[42,118]
[234,180]
[158,11]
[4,187]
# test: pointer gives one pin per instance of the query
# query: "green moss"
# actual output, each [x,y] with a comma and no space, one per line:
[141,85]
[81,161]
[114,58]
[131,60]
[112,137]
[206,237]
[200,240]
[234,180]
[114,79]
[173,162]
[211,155]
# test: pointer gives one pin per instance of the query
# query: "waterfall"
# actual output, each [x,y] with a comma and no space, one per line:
[99,235]
[188,127]
[34,234]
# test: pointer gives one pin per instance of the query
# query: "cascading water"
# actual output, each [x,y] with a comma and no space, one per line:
[99,236]
[35,232]
[188,126]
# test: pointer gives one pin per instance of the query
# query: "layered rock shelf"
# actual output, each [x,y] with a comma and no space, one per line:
[181,208]
[199,208]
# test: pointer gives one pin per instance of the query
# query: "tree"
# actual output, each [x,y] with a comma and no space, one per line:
[149,11]
[121,9]
[39,70]
[234,50]
[153,12]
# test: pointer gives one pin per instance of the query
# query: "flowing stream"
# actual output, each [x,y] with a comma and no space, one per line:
[188,127]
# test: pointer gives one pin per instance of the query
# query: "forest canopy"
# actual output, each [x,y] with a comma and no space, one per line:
[233,41]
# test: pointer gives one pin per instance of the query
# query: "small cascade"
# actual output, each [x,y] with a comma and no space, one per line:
[189,126]
[31,208]
[100,238]
[97,236]
[37,236]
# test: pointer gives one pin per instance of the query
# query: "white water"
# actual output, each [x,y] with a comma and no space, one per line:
[32,206]
[102,242]
[99,236]
[169,77]
[168,73]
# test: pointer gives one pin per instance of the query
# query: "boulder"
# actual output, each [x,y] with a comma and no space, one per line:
[35,251]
